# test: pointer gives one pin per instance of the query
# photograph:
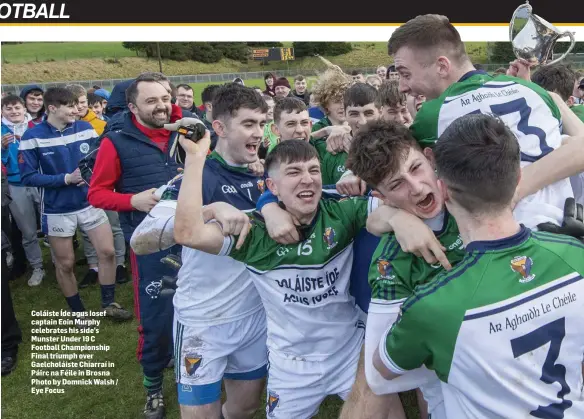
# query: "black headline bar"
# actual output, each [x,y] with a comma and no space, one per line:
[263,12]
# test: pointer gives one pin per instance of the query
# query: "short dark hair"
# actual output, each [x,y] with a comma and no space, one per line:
[149,77]
[355,73]
[429,32]
[34,92]
[291,151]
[390,95]
[12,99]
[288,104]
[360,94]
[556,78]
[377,151]
[208,93]
[92,99]
[232,97]
[478,158]
[299,77]
[184,86]
[59,96]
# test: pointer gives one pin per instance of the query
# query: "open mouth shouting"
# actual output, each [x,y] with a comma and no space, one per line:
[306,196]
[252,148]
[427,204]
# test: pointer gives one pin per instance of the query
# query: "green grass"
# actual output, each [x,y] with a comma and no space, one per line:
[30,52]
[125,400]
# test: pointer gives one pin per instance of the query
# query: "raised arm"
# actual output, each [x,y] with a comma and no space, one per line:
[190,228]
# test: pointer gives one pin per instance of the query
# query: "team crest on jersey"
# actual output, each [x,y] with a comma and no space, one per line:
[522,265]
[384,268]
[272,403]
[329,237]
[261,185]
[84,148]
[193,362]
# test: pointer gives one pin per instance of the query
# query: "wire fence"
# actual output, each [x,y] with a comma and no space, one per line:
[202,78]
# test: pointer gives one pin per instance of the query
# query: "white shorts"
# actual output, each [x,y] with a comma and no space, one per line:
[296,388]
[65,225]
[205,355]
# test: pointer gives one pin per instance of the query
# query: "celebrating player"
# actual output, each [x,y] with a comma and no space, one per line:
[314,331]
[512,308]
[220,325]
[431,60]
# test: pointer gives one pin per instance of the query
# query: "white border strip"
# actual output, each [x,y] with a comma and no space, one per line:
[233,33]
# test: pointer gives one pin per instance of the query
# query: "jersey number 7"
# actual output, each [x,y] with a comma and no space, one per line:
[553,333]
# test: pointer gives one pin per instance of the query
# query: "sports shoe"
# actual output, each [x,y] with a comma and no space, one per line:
[8,364]
[121,275]
[90,278]
[37,277]
[154,408]
[117,312]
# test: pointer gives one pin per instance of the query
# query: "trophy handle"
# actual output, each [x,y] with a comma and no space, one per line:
[573,42]
[512,25]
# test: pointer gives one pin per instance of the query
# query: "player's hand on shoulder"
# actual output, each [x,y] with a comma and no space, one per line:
[280,224]
[233,222]
[573,224]
[351,185]
[257,168]
[416,237]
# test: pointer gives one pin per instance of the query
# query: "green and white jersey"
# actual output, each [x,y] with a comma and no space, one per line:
[394,274]
[502,330]
[305,286]
[530,113]
[332,166]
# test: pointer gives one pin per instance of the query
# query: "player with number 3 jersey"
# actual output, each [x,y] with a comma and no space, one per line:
[503,329]
[431,60]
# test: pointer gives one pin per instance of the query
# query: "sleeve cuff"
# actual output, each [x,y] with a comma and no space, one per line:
[228,243]
[385,358]
[125,203]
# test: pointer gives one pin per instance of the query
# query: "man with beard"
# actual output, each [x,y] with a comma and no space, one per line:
[220,326]
[131,163]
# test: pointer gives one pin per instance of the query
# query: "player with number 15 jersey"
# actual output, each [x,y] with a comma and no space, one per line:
[526,108]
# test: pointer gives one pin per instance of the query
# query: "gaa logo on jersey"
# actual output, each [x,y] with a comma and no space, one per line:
[84,148]
[261,185]
[272,403]
[193,362]
[329,237]
[522,265]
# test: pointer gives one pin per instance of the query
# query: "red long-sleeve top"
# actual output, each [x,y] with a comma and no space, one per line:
[107,170]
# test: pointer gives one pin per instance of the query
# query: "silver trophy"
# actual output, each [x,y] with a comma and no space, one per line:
[534,38]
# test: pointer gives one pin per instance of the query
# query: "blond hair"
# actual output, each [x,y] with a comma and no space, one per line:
[330,87]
